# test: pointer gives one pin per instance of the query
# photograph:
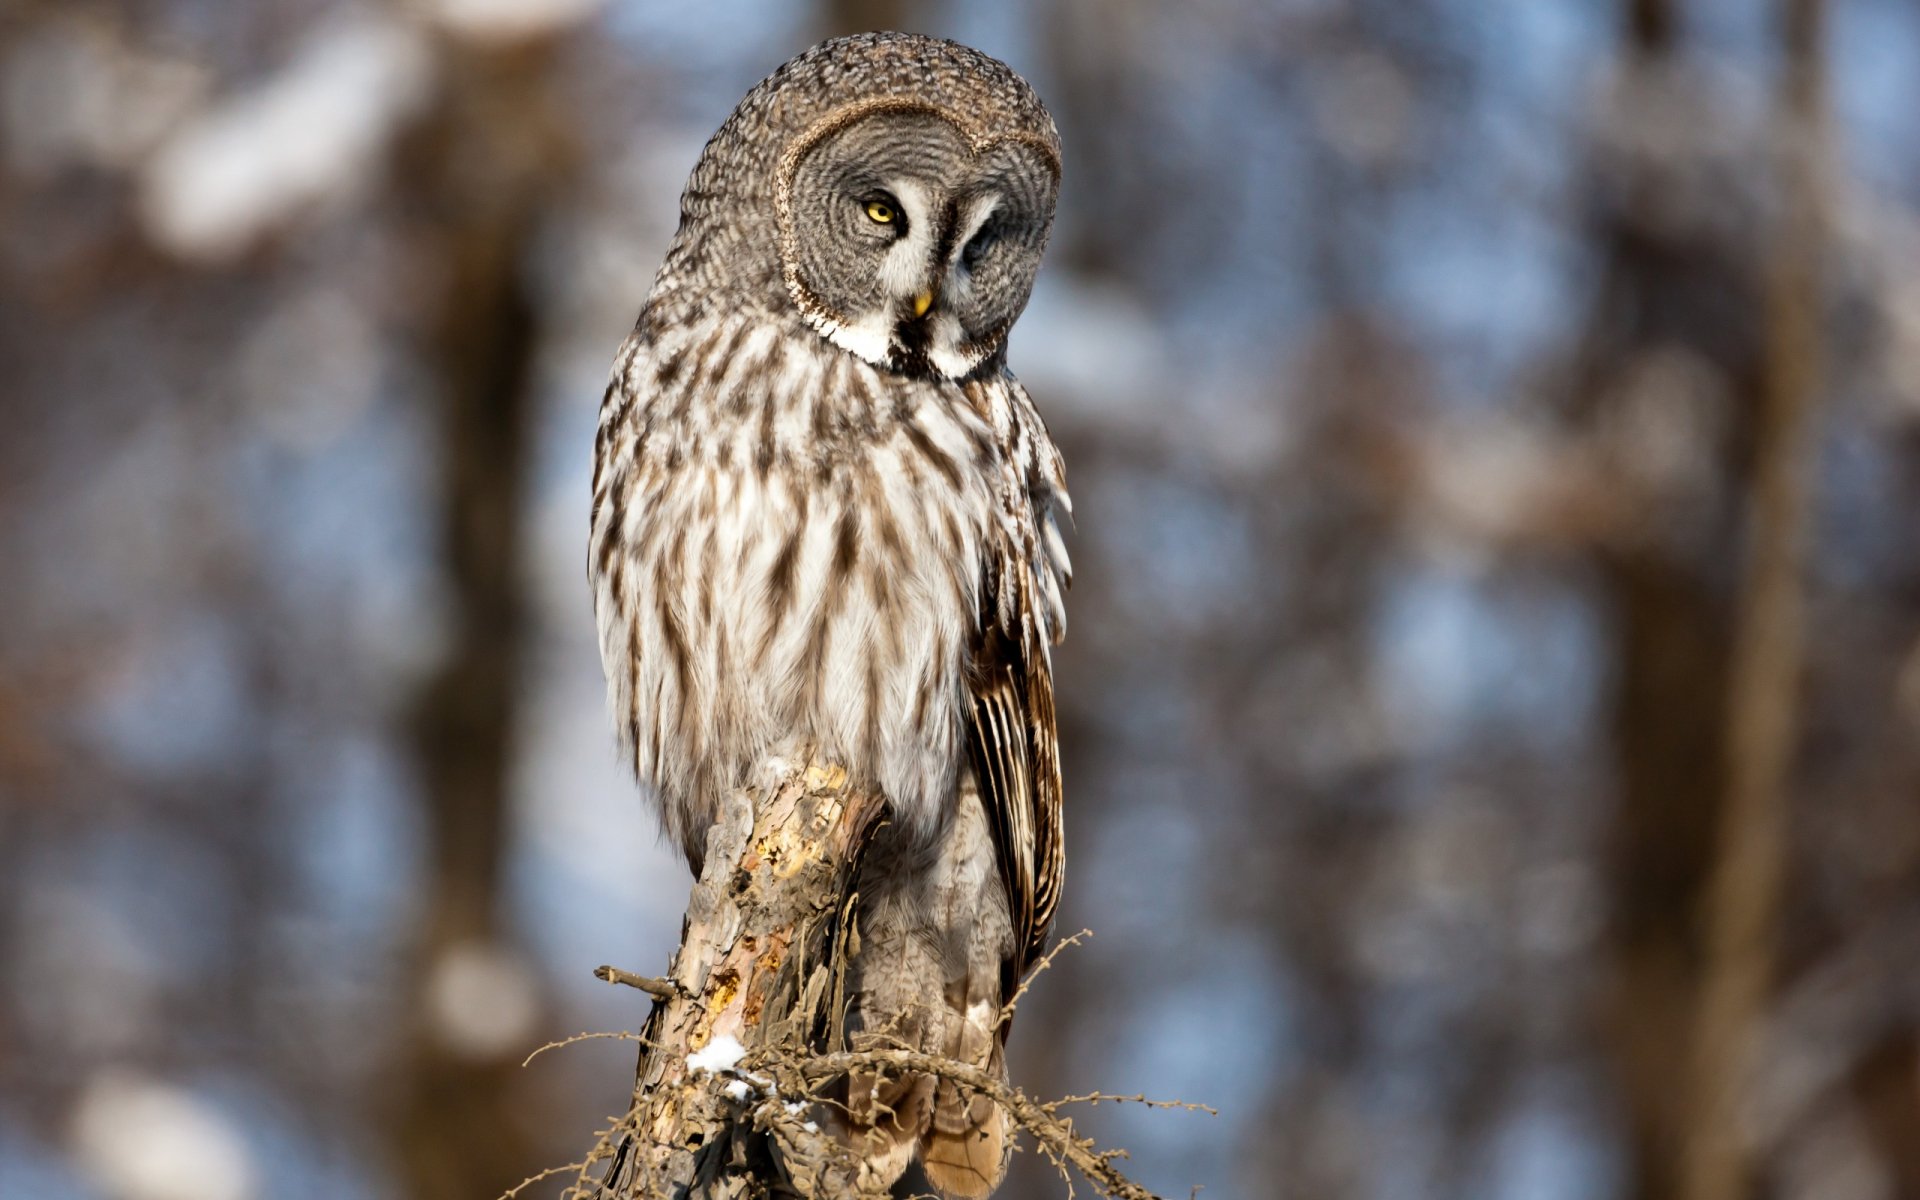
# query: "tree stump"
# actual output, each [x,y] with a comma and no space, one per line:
[742,1050]
[719,1108]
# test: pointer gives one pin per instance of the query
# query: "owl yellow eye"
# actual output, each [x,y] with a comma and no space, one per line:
[881,213]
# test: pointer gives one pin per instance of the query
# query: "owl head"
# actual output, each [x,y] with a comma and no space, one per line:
[897,190]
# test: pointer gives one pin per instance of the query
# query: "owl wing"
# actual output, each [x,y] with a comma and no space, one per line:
[1012,738]
[1016,763]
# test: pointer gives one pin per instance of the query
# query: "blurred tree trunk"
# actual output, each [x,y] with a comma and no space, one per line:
[1112,203]
[842,17]
[1666,292]
[476,177]
[1742,903]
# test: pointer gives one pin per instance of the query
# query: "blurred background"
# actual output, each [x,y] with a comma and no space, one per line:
[1492,707]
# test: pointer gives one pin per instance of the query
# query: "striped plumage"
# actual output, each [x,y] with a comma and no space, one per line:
[826,516]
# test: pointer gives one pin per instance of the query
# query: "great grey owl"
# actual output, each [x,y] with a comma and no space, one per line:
[825,514]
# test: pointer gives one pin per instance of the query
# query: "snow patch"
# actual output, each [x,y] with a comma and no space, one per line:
[721,1054]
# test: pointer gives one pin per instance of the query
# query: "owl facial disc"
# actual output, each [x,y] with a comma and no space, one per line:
[911,241]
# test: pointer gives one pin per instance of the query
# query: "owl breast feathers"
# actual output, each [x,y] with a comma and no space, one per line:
[827,515]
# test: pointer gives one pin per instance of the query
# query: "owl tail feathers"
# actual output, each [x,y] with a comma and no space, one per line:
[964,1150]
[885,1118]
[958,1136]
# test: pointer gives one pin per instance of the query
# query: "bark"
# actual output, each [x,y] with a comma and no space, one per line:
[761,961]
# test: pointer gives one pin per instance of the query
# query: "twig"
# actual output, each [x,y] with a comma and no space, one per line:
[1042,963]
[549,1173]
[659,989]
[581,1037]
[1138,1098]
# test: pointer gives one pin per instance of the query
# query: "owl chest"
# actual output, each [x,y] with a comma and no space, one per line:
[832,597]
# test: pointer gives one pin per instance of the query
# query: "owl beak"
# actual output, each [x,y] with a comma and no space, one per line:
[922,303]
